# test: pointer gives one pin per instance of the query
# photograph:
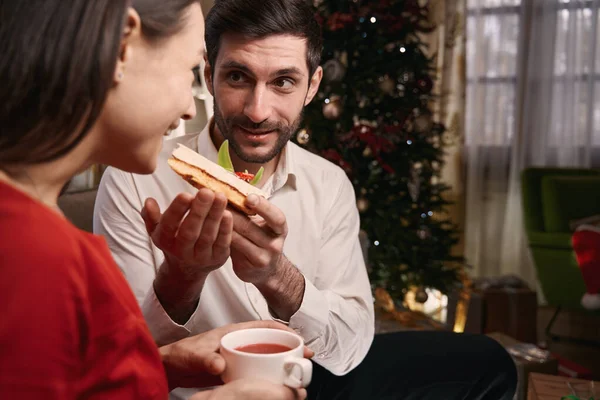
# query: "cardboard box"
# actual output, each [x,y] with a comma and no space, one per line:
[524,367]
[512,311]
[548,387]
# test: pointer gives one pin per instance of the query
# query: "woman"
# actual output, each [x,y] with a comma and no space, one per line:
[84,82]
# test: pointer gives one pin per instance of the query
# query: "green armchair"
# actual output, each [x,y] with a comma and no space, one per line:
[552,199]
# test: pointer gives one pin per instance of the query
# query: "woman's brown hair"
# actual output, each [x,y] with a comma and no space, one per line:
[57,60]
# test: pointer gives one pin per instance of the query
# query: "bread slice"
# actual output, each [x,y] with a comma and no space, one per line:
[200,172]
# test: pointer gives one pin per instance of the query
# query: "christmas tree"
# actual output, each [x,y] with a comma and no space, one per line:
[373,117]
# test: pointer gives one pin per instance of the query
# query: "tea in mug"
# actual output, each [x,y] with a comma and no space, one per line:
[263,348]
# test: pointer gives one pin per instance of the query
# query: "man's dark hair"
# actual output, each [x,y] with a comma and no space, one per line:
[257,19]
[56,67]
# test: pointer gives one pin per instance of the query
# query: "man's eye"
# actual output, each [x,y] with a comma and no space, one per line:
[284,83]
[236,77]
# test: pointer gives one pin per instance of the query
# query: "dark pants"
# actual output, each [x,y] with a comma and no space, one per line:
[423,365]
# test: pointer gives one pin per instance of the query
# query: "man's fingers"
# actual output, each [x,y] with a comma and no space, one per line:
[253,253]
[273,216]
[245,226]
[224,237]
[150,214]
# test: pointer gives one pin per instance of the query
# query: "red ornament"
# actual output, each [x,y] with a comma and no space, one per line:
[425,84]
[319,18]
[335,157]
[339,20]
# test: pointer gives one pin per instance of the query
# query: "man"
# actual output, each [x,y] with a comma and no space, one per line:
[299,261]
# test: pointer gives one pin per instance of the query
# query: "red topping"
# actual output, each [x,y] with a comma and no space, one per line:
[245,176]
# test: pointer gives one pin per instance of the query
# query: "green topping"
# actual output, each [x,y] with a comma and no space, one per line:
[257,177]
[223,159]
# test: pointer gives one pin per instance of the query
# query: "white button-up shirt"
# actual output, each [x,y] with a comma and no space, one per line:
[336,316]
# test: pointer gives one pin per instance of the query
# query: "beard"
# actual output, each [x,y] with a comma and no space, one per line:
[284,133]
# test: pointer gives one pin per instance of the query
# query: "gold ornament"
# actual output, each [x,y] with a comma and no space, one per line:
[362,204]
[367,152]
[386,84]
[421,296]
[332,109]
[423,123]
[303,136]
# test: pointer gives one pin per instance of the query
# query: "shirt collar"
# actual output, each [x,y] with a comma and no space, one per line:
[284,172]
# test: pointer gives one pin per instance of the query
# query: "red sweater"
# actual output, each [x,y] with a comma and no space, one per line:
[69,326]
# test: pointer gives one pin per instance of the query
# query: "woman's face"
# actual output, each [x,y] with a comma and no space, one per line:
[152,91]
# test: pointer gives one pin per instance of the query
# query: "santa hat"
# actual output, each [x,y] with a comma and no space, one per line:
[586,243]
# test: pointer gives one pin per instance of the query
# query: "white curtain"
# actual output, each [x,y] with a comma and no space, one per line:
[533,92]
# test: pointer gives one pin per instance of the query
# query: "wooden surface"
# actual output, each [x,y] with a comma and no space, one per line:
[549,387]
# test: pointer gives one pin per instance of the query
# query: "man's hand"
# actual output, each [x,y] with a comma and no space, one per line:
[257,257]
[257,244]
[196,362]
[252,390]
[194,233]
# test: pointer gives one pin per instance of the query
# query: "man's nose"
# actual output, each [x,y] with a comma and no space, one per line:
[257,107]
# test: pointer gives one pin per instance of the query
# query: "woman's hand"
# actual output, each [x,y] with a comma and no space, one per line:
[196,362]
[251,390]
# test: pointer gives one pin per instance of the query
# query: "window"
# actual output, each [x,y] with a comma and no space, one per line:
[497,35]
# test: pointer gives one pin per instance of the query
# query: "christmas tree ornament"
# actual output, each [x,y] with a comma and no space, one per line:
[333,71]
[362,204]
[421,296]
[401,89]
[424,232]
[423,123]
[344,58]
[303,137]
[332,109]
[367,152]
[406,77]
[414,184]
[425,84]
[386,84]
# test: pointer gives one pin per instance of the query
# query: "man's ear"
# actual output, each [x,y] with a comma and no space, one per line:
[132,32]
[313,85]
[208,76]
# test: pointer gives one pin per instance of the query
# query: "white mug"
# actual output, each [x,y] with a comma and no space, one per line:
[288,368]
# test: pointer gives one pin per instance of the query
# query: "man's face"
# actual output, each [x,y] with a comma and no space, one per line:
[260,87]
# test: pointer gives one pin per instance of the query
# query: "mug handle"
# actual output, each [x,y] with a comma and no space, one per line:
[291,380]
